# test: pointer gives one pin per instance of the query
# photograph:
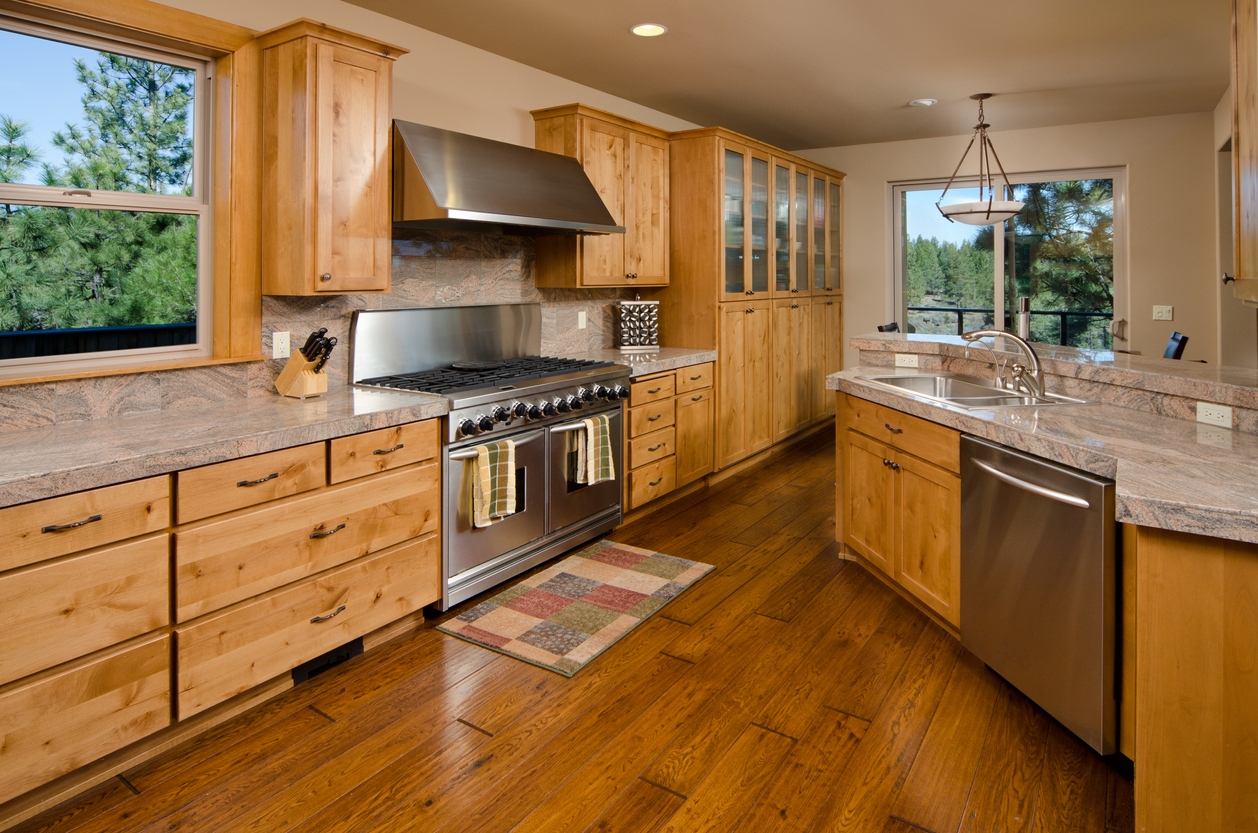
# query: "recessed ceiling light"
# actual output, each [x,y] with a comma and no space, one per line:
[649,30]
[923,102]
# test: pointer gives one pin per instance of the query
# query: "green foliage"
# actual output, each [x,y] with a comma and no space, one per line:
[64,268]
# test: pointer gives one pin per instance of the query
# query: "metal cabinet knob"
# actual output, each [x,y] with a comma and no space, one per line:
[325,277]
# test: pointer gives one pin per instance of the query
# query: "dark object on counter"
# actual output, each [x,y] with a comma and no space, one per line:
[1175,347]
[893,327]
[323,351]
[310,342]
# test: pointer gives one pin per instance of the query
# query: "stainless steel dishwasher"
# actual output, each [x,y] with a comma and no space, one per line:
[1038,583]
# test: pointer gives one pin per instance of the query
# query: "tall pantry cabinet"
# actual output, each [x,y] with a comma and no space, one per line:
[756,260]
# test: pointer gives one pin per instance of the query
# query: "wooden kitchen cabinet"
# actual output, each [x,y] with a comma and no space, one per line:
[627,162]
[694,435]
[326,117]
[792,367]
[744,406]
[1245,147]
[669,442]
[826,337]
[901,502]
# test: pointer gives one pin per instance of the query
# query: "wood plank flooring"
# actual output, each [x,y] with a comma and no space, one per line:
[788,690]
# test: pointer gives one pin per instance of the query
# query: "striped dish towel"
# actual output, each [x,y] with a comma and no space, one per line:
[493,489]
[594,453]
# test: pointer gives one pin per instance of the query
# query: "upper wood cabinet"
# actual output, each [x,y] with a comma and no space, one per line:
[628,164]
[1245,146]
[326,114]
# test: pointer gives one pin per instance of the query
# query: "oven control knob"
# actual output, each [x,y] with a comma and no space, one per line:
[586,394]
[575,403]
[500,414]
[467,428]
[535,412]
[484,423]
[562,406]
[549,409]
[600,391]
[519,410]
[618,392]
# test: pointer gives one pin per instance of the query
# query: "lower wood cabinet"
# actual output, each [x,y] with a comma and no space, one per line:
[902,511]
[694,435]
[670,438]
[744,416]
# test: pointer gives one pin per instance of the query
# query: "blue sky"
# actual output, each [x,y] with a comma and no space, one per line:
[922,218]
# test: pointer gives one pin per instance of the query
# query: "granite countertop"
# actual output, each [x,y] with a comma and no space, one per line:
[69,457]
[1169,473]
[657,361]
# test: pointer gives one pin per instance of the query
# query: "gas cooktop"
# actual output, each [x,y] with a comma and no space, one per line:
[467,376]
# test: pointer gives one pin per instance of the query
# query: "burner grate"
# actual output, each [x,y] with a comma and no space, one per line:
[471,375]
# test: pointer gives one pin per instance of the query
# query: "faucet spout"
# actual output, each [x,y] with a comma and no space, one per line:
[1031,377]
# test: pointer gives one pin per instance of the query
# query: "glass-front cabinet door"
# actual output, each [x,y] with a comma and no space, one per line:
[801,282]
[783,174]
[758,215]
[834,280]
[819,229]
[734,223]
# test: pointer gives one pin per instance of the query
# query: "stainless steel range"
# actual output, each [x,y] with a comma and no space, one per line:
[485,360]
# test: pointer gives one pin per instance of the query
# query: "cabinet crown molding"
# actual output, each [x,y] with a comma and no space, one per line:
[305,27]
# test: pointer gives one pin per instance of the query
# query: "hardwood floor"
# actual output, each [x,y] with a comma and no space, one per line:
[786,691]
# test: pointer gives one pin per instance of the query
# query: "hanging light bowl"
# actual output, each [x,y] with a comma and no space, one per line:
[984,212]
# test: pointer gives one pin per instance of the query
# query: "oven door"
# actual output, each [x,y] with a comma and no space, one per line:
[470,547]
[572,502]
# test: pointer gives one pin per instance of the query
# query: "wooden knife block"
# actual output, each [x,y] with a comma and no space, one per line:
[299,380]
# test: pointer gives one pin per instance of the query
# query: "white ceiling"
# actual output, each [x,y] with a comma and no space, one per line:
[818,73]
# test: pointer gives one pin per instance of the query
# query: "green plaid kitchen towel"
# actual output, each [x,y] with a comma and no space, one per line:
[594,452]
[493,491]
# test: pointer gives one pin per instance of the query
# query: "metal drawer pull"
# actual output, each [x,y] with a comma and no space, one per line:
[329,616]
[1051,494]
[652,419]
[657,390]
[270,476]
[397,447]
[696,378]
[328,532]
[61,527]
[891,465]
[794,306]
[893,430]
[696,398]
[656,482]
[656,447]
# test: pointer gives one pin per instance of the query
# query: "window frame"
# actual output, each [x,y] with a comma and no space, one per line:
[897,303]
[230,184]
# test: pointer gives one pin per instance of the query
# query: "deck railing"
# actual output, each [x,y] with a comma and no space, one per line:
[1064,317]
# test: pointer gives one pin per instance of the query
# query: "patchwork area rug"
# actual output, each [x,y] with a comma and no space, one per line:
[569,613]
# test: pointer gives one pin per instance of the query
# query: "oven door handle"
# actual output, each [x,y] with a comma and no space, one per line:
[471,455]
[577,426]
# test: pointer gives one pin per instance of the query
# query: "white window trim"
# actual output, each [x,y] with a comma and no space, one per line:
[200,205]
[897,307]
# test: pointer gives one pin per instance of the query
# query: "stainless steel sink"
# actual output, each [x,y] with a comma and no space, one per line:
[967,391]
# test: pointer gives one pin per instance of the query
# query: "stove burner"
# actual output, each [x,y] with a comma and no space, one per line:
[471,375]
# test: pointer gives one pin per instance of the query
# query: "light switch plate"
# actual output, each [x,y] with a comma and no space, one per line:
[279,345]
[1161,313]
[1211,413]
[581,320]
[906,360]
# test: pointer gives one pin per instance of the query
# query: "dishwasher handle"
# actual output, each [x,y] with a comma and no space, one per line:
[1051,494]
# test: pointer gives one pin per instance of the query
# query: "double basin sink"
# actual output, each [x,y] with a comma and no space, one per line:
[967,391]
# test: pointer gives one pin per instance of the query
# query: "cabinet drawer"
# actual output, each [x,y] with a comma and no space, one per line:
[652,481]
[219,562]
[222,487]
[651,417]
[58,611]
[59,723]
[651,447]
[693,378]
[86,519]
[653,389]
[232,651]
[934,443]
[377,451]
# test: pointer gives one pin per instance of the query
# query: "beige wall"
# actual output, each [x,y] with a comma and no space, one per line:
[1238,322]
[441,82]
[1171,252]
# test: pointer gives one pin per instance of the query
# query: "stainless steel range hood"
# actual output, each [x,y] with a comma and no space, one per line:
[451,181]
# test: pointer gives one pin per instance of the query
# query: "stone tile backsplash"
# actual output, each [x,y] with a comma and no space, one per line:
[429,269]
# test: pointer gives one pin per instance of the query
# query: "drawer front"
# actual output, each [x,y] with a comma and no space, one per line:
[220,562]
[650,482]
[222,487]
[936,444]
[61,525]
[694,378]
[643,391]
[651,447]
[59,723]
[226,653]
[69,608]
[651,417]
[377,451]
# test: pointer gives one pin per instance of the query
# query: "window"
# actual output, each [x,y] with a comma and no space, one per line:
[104,203]
[1063,251]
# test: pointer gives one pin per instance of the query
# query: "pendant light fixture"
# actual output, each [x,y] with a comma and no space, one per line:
[985,212]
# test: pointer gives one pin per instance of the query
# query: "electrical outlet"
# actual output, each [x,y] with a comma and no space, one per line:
[279,345]
[1163,313]
[581,320]
[1212,413]
[906,360]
